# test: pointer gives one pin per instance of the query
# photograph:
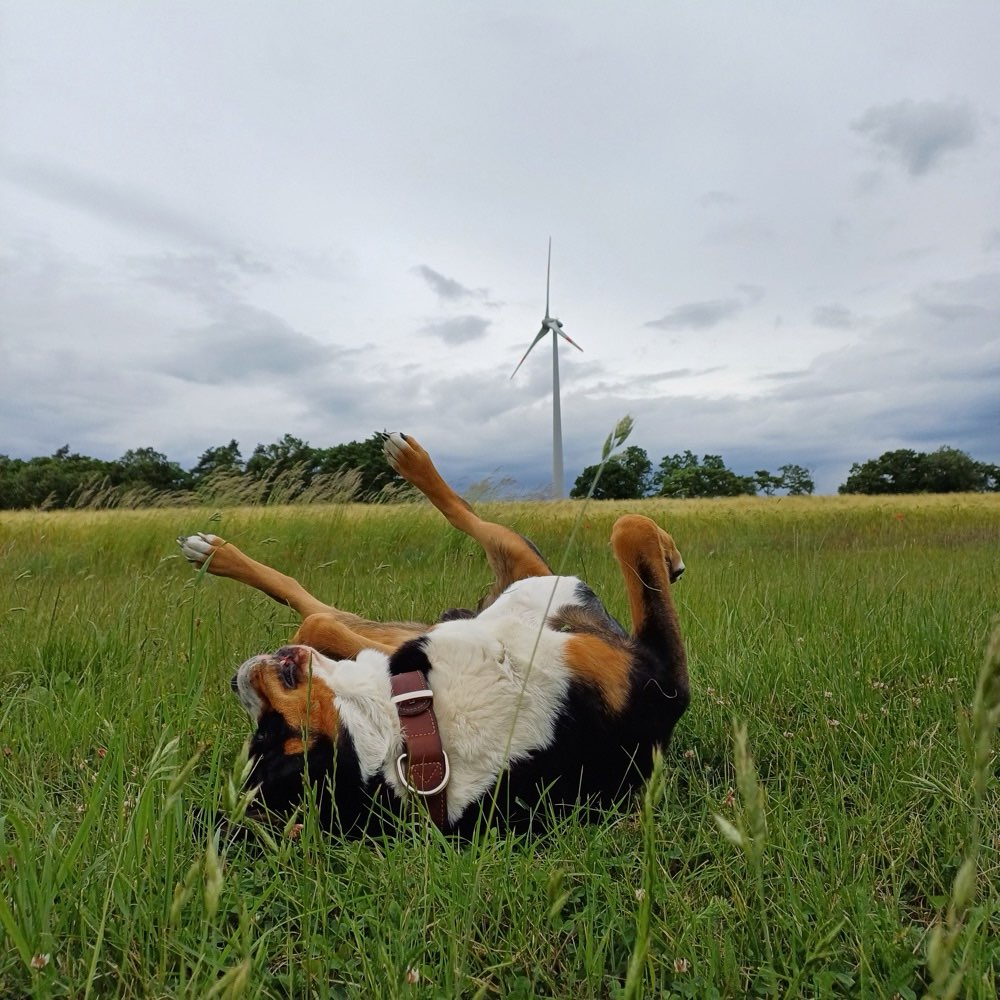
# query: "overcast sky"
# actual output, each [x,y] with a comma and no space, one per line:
[775,226]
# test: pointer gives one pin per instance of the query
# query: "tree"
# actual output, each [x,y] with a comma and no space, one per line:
[626,476]
[947,470]
[765,482]
[795,480]
[223,458]
[147,467]
[50,482]
[684,476]
[366,457]
[268,461]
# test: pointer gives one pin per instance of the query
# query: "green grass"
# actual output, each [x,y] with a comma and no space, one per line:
[846,635]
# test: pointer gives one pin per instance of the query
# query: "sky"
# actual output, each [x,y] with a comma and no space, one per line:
[775,228]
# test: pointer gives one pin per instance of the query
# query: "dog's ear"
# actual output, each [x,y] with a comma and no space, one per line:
[456,614]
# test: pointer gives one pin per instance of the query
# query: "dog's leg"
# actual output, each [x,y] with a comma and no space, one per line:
[333,638]
[225,559]
[653,654]
[510,556]
[650,563]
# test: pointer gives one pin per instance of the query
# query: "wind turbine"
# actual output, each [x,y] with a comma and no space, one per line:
[554,326]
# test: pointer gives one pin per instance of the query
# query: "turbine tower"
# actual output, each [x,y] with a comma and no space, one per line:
[554,326]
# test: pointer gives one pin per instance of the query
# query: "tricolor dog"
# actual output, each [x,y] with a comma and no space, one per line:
[537,700]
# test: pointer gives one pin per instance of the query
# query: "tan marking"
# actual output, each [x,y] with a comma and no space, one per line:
[308,705]
[608,667]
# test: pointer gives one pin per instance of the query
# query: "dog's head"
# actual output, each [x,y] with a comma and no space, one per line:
[297,725]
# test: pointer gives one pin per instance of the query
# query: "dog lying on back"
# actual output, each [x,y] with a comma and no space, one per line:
[537,701]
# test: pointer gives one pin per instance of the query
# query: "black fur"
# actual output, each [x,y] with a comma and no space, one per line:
[411,655]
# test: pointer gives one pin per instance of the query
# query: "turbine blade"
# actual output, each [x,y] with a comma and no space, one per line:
[548,274]
[541,333]
[566,336]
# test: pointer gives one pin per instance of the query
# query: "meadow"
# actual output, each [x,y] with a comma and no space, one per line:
[845,635]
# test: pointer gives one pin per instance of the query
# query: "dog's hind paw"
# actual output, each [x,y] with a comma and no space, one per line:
[198,548]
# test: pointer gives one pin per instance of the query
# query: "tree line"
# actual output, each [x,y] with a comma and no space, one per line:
[291,470]
[630,474]
[286,470]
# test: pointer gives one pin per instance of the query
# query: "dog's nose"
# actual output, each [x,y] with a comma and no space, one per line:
[235,682]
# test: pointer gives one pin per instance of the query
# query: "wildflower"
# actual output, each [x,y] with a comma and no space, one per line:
[102,752]
[689,755]
[682,965]
[788,734]
[296,829]
[730,800]
[40,961]
[833,723]
[640,894]
[412,975]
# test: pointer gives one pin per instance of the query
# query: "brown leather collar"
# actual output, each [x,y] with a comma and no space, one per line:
[423,765]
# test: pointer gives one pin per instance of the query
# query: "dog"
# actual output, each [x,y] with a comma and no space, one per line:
[535,702]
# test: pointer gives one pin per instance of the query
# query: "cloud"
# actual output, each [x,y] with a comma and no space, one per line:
[249,343]
[448,289]
[637,386]
[918,133]
[108,200]
[927,373]
[717,199]
[210,278]
[834,317]
[457,329]
[697,315]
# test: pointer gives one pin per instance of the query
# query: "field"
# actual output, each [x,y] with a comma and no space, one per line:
[847,635]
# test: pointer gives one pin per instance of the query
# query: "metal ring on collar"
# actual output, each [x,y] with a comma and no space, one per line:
[420,791]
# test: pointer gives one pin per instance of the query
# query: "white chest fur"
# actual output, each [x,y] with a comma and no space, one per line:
[499,681]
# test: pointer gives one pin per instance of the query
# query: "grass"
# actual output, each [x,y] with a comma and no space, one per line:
[845,635]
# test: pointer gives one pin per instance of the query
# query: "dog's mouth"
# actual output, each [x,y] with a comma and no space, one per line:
[290,664]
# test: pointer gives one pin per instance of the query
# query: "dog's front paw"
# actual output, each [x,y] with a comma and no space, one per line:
[198,548]
[399,451]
